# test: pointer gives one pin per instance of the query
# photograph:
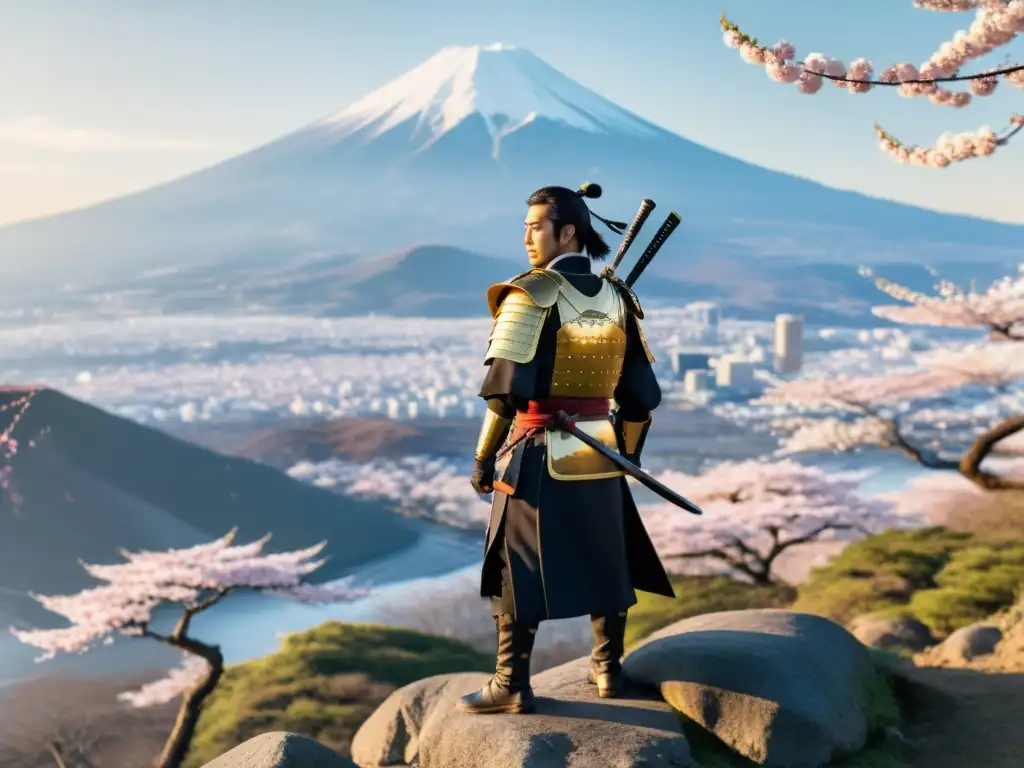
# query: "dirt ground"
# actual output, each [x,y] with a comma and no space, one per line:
[967,718]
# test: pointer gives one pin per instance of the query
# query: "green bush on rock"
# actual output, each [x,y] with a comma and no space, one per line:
[943,578]
[323,683]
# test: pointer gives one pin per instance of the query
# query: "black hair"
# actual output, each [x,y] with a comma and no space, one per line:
[567,206]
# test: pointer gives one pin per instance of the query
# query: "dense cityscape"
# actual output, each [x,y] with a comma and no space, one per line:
[205,368]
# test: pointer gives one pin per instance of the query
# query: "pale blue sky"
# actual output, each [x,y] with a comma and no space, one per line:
[102,97]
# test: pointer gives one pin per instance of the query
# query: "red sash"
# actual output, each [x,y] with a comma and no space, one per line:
[540,413]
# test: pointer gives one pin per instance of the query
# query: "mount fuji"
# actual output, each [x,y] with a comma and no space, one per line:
[447,153]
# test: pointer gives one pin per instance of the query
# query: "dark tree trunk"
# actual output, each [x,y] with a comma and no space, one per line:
[176,749]
[970,462]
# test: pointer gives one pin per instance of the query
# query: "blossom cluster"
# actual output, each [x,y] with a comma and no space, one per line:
[996,23]
[9,445]
[428,486]
[193,578]
[753,505]
[844,413]
[179,680]
[1000,308]
[949,148]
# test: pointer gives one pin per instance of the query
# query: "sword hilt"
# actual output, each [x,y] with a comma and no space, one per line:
[667,228]
[646,206]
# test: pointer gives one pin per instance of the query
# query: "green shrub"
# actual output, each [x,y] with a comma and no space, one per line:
[879,573]
[943,578]
[696,595]
[323,683]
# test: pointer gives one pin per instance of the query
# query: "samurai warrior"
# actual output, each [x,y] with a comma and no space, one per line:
[564,538]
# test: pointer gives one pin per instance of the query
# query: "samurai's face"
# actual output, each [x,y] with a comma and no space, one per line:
[541,243]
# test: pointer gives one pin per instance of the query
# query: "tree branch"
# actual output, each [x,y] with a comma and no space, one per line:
[922,80]
[54,748]
[901,442]
[927,459]
[970,464]
[181,630]
[725,557]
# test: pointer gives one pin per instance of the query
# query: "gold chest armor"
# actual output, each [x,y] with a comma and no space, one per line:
[590,346]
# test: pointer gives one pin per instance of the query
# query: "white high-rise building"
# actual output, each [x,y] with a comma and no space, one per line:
[737,375]
[392,407]
[705,316]
[705,313]
[789,343]
[697,380]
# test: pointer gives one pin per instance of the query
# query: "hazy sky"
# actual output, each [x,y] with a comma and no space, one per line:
[102,97]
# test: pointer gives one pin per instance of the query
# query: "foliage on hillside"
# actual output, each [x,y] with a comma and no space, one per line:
[944,578]
[696,595]
[323,683]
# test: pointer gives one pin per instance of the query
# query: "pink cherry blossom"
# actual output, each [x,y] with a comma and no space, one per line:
[999,308]
[179,680]
[996,23]
[755,510]
[847,413]
[9,445]
[195,579]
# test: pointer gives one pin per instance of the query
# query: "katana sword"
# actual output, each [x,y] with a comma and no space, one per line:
[563,421]
[646,206]
[666,229]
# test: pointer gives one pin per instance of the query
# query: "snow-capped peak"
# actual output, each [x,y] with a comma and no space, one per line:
[507,86]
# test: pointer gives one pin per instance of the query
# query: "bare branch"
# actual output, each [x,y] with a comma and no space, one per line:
[970,464]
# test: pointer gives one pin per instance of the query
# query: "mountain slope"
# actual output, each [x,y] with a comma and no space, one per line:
[447,153]
[95,483]
[442,281]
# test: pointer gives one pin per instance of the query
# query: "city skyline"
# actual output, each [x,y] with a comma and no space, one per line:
[208,82]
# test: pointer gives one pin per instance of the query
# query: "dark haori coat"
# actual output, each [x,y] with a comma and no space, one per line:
[557,549]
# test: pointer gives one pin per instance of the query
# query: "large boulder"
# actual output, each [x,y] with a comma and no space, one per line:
[780,688]
[280,750]
[891,633]
[572,728]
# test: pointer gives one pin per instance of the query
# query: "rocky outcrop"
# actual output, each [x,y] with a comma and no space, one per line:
[962,646]
[280,750]
[572,728]
[779,688]
[891,633]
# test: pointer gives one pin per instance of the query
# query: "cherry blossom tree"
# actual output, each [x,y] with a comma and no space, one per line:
[9,445]
[848,413]
[194,580]
[755,511]
[996,23]
[422,486]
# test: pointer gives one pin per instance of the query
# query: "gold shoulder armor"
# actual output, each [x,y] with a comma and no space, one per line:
[517,326]
[538,284]
[629,295]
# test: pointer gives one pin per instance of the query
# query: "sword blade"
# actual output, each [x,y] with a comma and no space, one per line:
[564,423]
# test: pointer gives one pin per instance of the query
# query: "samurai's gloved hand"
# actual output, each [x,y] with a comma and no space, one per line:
[482,478]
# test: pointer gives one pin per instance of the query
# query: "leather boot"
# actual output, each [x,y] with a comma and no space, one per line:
[509,689]
[606,657]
